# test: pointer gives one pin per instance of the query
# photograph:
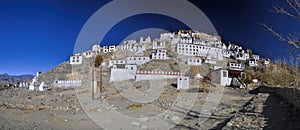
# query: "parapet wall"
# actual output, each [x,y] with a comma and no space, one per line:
[153,75]
[67,83]
[291,95]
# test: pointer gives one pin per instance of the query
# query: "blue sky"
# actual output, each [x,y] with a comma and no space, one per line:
[38,35]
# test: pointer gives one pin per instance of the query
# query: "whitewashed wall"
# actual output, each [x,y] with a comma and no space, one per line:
[118,75]
[183,82]
[150,75]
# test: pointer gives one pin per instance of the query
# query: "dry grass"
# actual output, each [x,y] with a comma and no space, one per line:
[134,106]
[277,74]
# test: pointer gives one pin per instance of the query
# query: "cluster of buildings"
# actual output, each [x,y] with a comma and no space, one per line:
[197,46]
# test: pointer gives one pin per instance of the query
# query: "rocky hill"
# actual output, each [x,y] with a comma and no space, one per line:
[11,79]
[60,72]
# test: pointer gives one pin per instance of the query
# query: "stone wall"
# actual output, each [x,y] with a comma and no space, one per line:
[291,95]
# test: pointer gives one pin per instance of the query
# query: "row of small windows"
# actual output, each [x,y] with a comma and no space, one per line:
[159,54]
[74,61]
[182,78]
[195,47]
[144,58]
[194,60]
[75,57]
[235,65]
[131,68]
[195,52]
[119,62]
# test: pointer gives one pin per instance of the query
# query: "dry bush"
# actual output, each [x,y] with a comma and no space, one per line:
[134,106]
[277,74]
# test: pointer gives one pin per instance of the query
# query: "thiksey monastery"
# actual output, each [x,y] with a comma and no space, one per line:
[199,48]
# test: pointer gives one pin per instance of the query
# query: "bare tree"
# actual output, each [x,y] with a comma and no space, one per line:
[292,9]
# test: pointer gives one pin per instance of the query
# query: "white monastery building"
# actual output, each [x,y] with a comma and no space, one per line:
[194,61]
[159,54]
[76,59]
[116,62]
[199,50]
[138,60]
[183,82]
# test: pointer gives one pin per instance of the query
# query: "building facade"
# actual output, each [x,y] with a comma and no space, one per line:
[183,82]
[159,54]
[76,59]
[199,50]
[138,60]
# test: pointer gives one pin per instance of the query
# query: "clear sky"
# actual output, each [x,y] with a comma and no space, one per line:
[37,35]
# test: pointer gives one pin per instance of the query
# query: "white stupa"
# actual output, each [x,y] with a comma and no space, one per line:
[35,83]
[43,86]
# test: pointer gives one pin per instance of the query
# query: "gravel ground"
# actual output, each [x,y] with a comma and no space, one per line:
[60,109]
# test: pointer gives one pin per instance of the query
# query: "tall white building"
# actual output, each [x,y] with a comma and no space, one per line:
[199,50]
[76,59]
[133,47]
[158,45]
[159,54]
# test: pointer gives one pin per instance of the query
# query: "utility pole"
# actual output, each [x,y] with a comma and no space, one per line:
[100,83]
[93,76]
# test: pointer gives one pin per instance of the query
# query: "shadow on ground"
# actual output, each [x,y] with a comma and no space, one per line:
[280,115]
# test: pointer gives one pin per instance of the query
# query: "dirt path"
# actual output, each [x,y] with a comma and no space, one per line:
[60,109]
[265,111]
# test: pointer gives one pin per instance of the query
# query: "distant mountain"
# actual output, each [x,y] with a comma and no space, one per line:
[10,79]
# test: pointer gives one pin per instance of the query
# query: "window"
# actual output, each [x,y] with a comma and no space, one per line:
[224,74]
